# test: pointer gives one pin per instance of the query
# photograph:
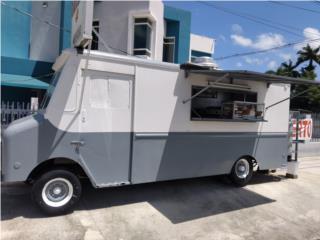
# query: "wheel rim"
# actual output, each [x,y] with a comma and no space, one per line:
[57,192]
[242,168]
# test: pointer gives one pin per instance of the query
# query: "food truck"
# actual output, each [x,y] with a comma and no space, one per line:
[121,120]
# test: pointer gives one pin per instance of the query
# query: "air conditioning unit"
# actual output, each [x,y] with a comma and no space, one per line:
[204,62]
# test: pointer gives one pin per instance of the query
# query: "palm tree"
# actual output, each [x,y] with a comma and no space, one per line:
[310,55]
[287,69]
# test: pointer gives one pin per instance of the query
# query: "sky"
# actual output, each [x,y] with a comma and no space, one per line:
[235,34]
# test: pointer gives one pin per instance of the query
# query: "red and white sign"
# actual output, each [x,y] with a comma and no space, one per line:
[305,129]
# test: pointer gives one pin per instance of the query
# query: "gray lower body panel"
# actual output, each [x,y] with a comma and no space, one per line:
[105,157]
[158,157]
[116,158]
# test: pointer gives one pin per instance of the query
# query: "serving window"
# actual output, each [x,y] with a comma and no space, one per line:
[225,104]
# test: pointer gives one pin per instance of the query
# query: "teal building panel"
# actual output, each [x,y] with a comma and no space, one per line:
[15,29]
[65,24]
[179,26]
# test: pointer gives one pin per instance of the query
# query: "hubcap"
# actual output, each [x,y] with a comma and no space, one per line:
[242,168]
[57,192]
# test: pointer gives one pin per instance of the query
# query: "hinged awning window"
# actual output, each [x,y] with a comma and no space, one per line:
[246,75]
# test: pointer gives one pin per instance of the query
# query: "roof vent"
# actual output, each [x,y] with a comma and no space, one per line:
[204,62]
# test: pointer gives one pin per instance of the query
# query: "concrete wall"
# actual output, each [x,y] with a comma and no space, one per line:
[114,24]
[201,44]
[44,39]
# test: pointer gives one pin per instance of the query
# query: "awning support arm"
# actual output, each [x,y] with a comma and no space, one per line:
[288,98]
[204,89]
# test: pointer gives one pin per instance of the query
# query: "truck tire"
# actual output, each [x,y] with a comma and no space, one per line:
[241,172]
[56,191]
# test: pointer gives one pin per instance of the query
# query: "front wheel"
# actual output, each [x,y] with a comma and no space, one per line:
[55,192]
[241,172]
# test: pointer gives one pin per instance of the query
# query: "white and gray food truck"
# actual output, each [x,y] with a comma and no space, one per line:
[121,120]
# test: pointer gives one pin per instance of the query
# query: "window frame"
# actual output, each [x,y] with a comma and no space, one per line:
[151,22]
[147,50]
[170,43]
[95,27]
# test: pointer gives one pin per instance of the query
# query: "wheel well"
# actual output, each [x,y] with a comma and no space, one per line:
[252,159]
[50,164]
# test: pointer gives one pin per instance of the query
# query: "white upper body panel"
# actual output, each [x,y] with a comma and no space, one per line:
[114,88]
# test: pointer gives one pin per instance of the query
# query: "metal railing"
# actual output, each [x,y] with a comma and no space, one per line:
[316,127]
[11,111]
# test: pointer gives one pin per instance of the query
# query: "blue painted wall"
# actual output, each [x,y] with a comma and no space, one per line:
[15,30]
[27,67]
[179,25]
[65,23]
[15,45]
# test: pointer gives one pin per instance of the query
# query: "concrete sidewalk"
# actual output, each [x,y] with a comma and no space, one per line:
[271,207]
[309,149]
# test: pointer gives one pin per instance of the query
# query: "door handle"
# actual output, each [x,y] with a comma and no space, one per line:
[77,143]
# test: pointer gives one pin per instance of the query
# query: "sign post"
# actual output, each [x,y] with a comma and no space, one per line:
[301,132]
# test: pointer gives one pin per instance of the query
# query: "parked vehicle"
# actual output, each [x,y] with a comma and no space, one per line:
[122,120]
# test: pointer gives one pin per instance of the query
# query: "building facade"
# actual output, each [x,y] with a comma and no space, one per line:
[34,33]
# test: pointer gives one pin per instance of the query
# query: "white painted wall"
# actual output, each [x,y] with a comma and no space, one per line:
[202,43]
[44,39]
[115,24]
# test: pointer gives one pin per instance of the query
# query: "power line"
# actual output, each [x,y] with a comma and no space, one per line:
[245,16]
[36,18]
[296,7]
[265,50]
[284,25]
[54,25]
[262,19]
[219,58]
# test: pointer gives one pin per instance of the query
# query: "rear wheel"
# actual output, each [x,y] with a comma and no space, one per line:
[55,192]
[241,172]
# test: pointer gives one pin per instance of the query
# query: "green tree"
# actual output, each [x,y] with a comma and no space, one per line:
[311,99]
[288,69]
[309,55]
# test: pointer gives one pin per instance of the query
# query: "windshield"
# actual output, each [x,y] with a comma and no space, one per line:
[50,90]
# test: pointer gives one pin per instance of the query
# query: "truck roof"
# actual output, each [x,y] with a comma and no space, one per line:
[189,68]
[245,75]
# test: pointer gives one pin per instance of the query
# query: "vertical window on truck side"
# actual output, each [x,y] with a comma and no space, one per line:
[108,92]
[142,37]
[169,49]
[98,89]
[119,93]
[53,82]
[95,39]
